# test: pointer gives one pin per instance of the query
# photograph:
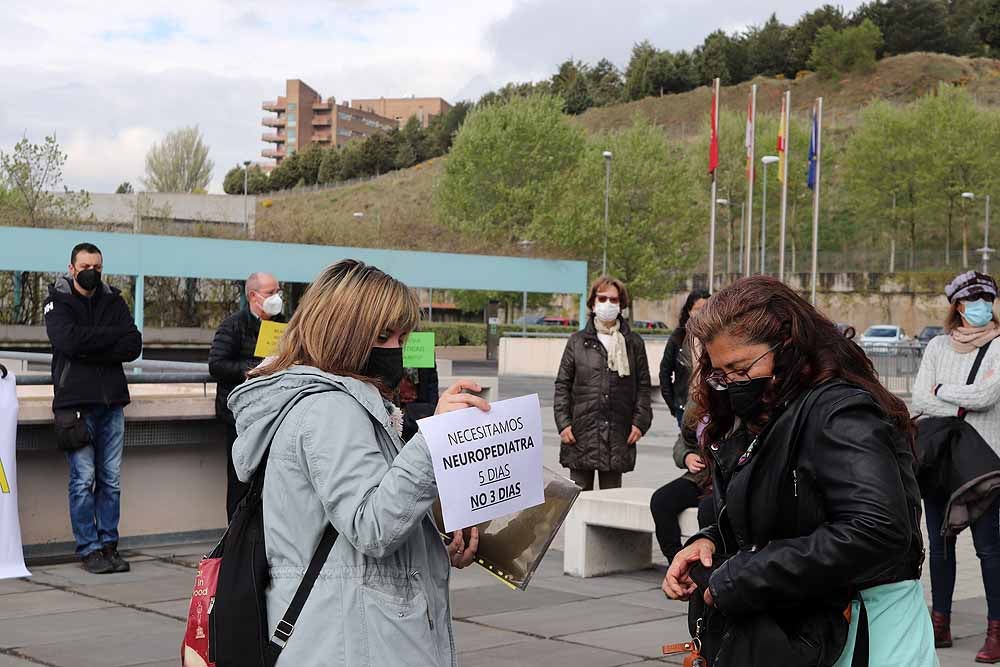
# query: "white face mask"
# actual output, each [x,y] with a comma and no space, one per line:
[607,311]
[272,305]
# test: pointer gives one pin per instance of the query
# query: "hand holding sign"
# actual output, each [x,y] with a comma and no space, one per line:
[486,465]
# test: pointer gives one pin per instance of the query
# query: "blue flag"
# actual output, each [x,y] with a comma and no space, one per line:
[813,140]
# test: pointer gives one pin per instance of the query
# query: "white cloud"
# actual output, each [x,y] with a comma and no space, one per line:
[120,154]
[111,76]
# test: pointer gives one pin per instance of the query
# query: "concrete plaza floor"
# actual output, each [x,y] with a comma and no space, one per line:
[65,617]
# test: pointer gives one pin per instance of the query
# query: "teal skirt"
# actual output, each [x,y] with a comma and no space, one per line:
[899,627]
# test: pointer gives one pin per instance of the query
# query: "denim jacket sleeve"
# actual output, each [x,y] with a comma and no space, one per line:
[373,504]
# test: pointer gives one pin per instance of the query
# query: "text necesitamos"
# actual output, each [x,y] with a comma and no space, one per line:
[485,431]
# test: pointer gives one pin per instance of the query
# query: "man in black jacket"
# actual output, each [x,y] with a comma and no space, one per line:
[92,334]
[232,357]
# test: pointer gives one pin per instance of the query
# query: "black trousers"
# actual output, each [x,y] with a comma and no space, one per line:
[668,502]
[585,479]
[235,489]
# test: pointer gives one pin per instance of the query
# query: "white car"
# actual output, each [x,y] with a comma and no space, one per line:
[883,337]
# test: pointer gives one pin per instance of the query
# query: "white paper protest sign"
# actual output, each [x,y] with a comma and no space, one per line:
[11,556]
[487,464]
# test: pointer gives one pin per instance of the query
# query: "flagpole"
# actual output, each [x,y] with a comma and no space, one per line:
[815,230]
[711,229]
[752,121]
[784,183]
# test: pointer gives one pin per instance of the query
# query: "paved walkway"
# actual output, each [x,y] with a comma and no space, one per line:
[64,617]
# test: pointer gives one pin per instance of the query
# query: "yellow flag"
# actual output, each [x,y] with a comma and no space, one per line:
[782,138]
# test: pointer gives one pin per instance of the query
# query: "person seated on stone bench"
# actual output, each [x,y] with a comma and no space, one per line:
[693,489]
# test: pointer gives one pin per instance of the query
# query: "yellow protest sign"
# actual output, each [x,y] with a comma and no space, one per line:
[267,339]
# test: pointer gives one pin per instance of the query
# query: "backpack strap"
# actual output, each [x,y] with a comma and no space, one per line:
[286,626]
[861,646]
[978,362]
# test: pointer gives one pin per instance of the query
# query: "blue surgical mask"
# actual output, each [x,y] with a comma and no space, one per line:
[978,313]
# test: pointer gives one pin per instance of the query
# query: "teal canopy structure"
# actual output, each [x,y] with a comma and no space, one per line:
[141,255]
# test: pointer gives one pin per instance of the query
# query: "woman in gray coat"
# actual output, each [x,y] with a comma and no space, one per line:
[336,456]
[602,404]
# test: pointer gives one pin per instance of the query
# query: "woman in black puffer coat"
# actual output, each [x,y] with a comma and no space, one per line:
[602,402]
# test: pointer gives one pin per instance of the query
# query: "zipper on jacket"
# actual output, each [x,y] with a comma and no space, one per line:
[795,482]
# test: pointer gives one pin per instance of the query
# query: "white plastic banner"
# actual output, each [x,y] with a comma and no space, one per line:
[11,556]
[487,464]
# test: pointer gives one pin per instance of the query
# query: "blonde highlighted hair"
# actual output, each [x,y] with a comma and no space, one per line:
[340,319]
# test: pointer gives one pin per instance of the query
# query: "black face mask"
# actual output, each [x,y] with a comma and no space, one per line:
[88,279]
[744,399]
[386,365]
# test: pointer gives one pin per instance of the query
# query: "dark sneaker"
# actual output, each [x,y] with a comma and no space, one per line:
[96,563]
[118,564]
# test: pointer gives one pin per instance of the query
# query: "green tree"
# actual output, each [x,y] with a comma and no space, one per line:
[638,79]
[712,58]
[959,155]
[570,82]
[849,50]
[605,83]
[124,189]
[907,25]
[310,160]
[232,184]
[287,174]
[504,159]
[767,47]
[988,25]
[330,169]
[802,35]
[179,163]
[442,129]
[652,240]
[32,175]
[882,164]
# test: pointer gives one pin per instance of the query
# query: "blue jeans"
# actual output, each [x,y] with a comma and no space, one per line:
[95,480]
[985,537]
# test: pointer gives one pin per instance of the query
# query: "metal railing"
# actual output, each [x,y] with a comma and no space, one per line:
[896,365]
[136,372]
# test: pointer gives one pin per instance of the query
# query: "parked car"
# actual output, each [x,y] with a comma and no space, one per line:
[557,321]
[530,320]
[929,333]
[649,324]
[883,337]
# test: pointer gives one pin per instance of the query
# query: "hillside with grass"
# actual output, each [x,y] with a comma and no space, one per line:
[398,207]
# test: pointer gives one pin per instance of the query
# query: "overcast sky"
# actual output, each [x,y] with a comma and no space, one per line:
[110,78]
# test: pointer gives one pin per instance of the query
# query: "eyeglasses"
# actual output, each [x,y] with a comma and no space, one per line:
[721,381]
[603,299]
[988,298]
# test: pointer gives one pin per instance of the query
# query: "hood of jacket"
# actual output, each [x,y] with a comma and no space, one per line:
[62,289]
[260,406]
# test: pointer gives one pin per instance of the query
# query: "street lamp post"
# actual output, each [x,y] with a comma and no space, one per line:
[986,250]
[607,198]
[246,216]
[767,160]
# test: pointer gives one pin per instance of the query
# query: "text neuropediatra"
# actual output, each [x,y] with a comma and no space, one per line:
[486,452]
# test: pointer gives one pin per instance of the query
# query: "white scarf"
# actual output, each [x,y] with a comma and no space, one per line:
[617,352]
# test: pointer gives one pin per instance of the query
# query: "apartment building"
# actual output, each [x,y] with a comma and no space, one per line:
[401,109]
[301,117]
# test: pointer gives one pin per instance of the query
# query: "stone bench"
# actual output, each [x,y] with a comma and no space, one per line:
[612,531]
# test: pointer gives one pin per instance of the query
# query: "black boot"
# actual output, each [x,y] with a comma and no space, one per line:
[96,563]
[118,564]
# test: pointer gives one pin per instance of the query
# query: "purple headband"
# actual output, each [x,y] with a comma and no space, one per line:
[969,284]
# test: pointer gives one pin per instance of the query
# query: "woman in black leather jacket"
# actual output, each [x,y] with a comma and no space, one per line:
[818,510]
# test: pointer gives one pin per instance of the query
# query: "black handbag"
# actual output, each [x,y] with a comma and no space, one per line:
[71,429]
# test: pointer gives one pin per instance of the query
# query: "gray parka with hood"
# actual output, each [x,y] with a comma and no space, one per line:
[382,596]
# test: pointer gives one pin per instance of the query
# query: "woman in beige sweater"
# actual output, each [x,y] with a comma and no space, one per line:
[940,390]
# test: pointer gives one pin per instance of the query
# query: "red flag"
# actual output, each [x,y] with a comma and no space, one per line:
[713,147]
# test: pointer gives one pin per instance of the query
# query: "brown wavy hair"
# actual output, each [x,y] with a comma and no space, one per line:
[340,319]
[809,350]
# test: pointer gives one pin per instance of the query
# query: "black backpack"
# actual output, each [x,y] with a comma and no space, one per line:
[237,618]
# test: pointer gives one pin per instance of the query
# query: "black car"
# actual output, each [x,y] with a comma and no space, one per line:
[928,333]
